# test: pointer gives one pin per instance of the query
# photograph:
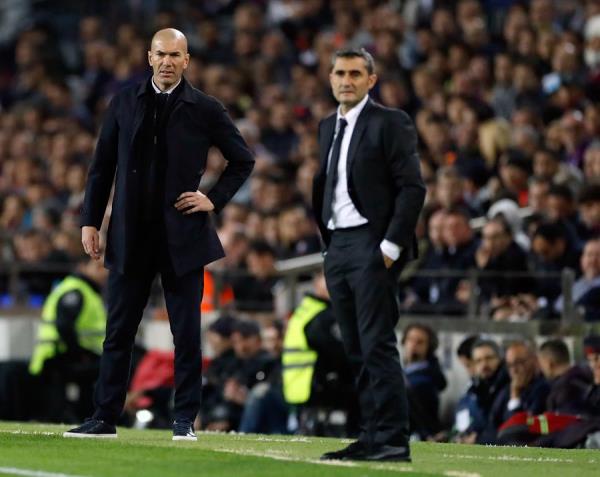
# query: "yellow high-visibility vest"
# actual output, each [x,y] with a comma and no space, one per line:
[298,359]
[90,325]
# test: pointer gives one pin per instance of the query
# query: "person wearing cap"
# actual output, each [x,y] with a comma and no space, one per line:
[223,364]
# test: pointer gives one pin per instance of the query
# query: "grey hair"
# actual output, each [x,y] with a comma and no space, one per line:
[355,53]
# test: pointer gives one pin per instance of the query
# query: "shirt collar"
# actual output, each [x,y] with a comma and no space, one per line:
[352,115]
[169,91]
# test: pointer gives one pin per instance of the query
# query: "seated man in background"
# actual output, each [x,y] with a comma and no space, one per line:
[69,343]
[253,365]
[527,390]
[425,379]
[221,367]
[489,376]
[568,384]
[591,348]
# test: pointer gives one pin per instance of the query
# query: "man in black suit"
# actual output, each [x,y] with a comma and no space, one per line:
[156,136]
[367,197]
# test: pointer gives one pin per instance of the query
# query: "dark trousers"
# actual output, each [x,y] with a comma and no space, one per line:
[127,296]
[364,304]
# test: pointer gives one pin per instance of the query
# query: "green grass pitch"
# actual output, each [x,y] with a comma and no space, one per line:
[41,451]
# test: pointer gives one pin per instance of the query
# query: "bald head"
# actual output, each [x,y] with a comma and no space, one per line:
[168,57]
[169,34]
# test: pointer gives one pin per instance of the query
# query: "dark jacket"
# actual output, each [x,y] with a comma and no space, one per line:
[425,382]
[568,392]
[533,401]
[196,122]
[384,178]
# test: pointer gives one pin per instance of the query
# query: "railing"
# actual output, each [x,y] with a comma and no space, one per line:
[291,272]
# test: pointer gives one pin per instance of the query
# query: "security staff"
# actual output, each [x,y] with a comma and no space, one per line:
[69,341]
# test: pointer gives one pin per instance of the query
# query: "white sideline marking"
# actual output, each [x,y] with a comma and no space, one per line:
[32,473]
[275,439]
[461,473]
[280,455]
[555,460]
[29,433]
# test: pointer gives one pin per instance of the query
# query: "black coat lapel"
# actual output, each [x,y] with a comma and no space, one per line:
[359,129]
[325,141]
[140,111]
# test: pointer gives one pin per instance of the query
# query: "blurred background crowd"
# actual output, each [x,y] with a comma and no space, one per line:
[504,95]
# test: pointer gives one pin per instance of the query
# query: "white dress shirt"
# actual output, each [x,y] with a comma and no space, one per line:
[169,91]
[343,211]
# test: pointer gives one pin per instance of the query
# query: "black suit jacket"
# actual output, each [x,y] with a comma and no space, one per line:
[383,173]
[196,123]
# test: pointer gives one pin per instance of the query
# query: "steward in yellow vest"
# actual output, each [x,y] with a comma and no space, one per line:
[73,317]
[315,368]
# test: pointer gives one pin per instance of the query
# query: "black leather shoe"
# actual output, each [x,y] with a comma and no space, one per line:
[351,452]
[93,428]
[386,453]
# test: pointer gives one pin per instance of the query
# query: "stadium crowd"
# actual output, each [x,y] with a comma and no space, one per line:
[505,97]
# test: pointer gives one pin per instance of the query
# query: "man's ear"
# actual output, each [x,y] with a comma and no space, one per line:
[372,80]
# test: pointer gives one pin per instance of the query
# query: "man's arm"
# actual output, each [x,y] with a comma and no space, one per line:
[240,160]
[400,149]
[102,171]
[67,310]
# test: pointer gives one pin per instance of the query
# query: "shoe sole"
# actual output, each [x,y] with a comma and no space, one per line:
[184,438]
[79,435]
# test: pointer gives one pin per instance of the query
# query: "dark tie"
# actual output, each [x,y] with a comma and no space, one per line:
[332,172]
[161,101]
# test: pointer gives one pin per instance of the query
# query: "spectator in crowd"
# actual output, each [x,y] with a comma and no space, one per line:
[425,379]
[498,255]
[464,354]
[526,391]
[489,377]
[591,348]
[568,384]
[589,212]
[254,292]
[422,294]
[586,290]
[235,377]
[551,252]
[221,367]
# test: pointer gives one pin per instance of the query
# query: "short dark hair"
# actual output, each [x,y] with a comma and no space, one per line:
[562,191]
[246,328]
[589,193]
[465,347]
[501,220]
[355,53]
[551,231]
[558,350]
[480,343]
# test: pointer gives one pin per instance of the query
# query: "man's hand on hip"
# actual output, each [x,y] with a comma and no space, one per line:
[190,202]
[90,238]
